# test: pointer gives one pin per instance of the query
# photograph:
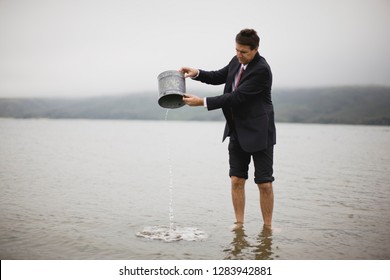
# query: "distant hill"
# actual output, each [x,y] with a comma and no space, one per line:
[341,105]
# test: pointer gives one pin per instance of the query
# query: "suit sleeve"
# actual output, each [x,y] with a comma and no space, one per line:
[213,77]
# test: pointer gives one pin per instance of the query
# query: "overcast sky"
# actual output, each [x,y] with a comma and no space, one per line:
[95,47]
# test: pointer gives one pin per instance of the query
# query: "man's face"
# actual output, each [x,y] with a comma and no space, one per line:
[244,53]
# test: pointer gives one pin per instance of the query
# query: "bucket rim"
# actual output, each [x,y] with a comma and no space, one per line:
[162,101]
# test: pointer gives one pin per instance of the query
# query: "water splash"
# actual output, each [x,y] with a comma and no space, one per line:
[167,234]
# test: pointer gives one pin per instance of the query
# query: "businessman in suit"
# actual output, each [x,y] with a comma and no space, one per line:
[247,106]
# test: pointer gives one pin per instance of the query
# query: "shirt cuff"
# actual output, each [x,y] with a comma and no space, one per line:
[205,102]
[197,75]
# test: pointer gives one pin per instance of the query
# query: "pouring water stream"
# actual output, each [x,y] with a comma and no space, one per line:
[171,233]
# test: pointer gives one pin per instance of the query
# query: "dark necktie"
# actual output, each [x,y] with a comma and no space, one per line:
[239,77]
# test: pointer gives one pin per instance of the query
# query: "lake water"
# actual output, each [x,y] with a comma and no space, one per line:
[96,189]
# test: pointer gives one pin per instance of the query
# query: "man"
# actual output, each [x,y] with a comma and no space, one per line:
[247,106]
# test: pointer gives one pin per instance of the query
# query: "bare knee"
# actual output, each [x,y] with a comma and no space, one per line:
[265,187]
[237,182]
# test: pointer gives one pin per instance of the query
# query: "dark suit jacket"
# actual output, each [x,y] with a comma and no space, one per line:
[248,110]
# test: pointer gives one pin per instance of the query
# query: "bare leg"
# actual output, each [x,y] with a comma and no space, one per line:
[266,202]
[238,197]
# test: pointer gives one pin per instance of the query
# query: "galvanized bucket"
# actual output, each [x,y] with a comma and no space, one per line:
[171,87]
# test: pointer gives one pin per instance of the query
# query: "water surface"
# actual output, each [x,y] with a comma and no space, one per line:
[83,189]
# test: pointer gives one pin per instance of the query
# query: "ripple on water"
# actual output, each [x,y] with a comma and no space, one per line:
[168,234]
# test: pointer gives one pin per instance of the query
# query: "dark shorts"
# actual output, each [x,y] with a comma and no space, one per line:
[239,162]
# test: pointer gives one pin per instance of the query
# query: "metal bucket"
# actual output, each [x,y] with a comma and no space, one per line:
[171,87]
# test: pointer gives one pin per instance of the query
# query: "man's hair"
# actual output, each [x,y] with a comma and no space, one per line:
[248,37]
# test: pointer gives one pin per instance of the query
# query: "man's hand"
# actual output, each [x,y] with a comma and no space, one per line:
[189,72]
[192,100]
